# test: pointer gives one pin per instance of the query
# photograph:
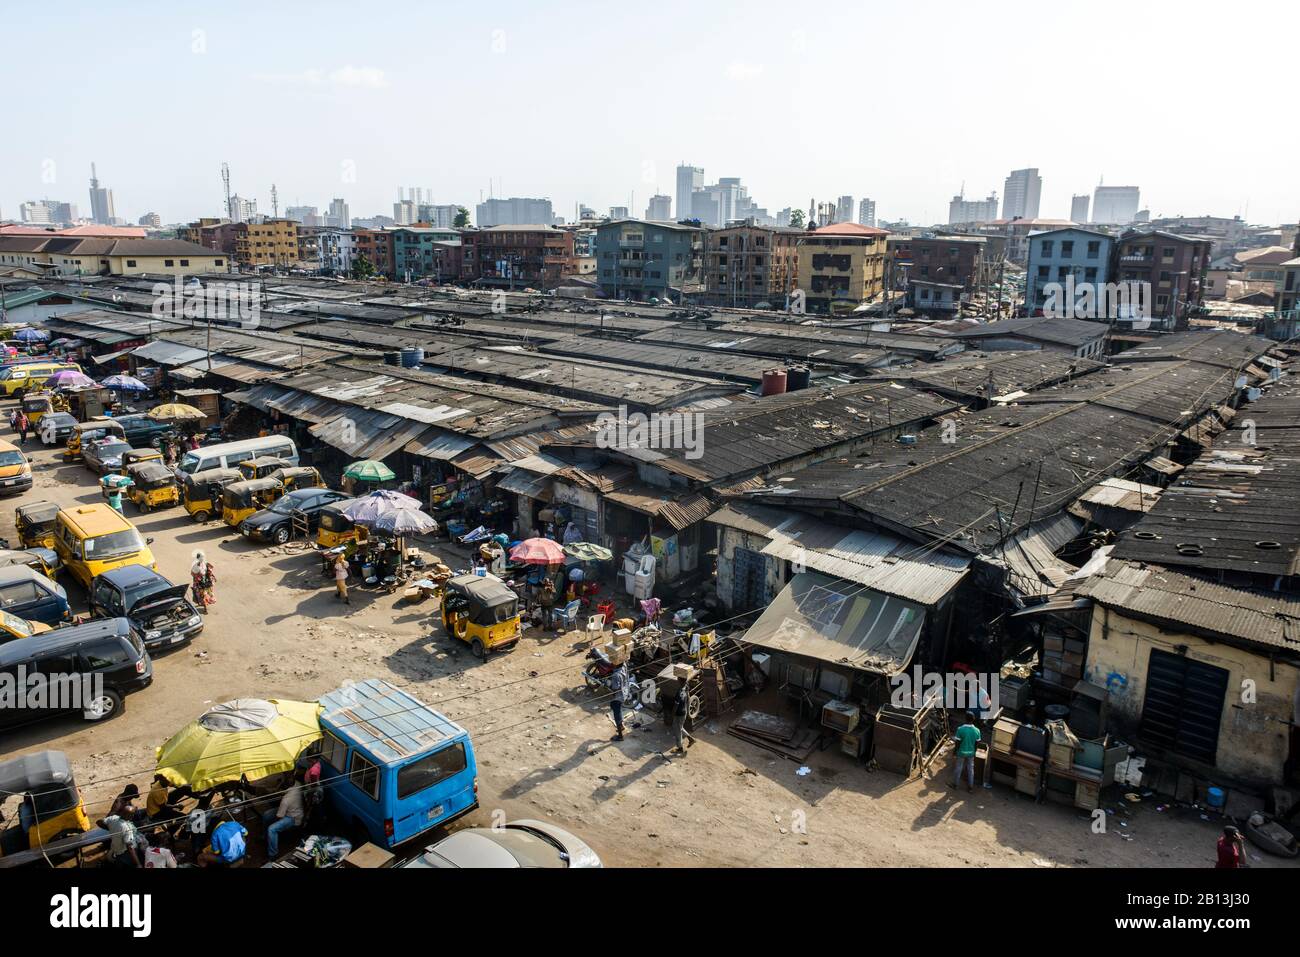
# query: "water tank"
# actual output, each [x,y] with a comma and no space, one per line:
[393,358]
[413,357]
[797,377]
[774,382]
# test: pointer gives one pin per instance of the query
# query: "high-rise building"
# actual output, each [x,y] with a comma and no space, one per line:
[242,210]
[660,209]
[1020,194]
[515,211]
[620,212]
[101,201]
[689,179]
[963,210]
[152,220]
[1115,204]
[441,216]
[404,212]
[307,215]
[35,211]
[338,214]
[1079,207]
[867,212]
[844,210]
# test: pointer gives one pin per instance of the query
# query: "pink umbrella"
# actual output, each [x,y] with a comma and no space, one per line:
[537,551]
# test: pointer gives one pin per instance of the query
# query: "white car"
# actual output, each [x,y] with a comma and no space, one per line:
[517,844]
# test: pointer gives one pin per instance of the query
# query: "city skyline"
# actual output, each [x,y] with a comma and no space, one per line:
[348,93]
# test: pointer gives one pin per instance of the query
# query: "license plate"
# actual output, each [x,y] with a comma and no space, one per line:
[177,639]
[9,481]
[245,532]
[434,813]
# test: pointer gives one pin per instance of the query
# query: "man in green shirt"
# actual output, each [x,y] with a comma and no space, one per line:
[967,737]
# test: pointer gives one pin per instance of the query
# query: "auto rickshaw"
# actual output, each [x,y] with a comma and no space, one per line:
[34,523]
[262,466]
[298,476]
[201,492]
[241,499]
[152,486]
[337,529]
[481,610]
[51,807]
[86,432]
[139,457]
[39,404]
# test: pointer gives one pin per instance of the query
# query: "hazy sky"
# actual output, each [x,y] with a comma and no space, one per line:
[597,102]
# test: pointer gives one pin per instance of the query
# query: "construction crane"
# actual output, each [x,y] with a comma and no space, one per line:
[225,181]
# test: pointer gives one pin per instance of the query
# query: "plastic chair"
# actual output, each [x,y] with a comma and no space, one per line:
[595,623]
[567,617]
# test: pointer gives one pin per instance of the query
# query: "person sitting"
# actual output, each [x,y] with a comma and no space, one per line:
[289,814]
[227,847]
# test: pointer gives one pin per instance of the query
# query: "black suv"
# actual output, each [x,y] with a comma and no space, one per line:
[86,669]
[273,524]
[158,609]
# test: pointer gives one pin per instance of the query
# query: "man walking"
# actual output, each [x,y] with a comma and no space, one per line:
[681,715]
[618,688]
[341,578]
[22,425]
[967,736]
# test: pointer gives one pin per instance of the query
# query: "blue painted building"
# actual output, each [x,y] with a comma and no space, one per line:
[1057,254]
[640,260]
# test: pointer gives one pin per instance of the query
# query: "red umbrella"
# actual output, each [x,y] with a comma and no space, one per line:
[538,551]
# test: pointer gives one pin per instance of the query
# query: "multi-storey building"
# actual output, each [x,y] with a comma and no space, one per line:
[689,179]
[639,261]
[963,210]
[745,264]
[376,247]
[1020,194]
[515,211]
[335,249]
[1115,204]
[660,208]
[1060,255]
[841,266]
[413,251]
[947,260]
[515,257]
[866,213]
[1174,265]
[272,242]
[1079,205]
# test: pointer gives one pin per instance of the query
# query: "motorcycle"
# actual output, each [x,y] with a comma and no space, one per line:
[597,675]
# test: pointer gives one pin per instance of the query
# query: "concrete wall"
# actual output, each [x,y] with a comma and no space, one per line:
[729,540]
[1253,738]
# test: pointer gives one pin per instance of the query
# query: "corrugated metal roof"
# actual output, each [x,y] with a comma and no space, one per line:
[526,483]
[679,513]
[1029,557]
[540,463]
[437,444]
[1170,597]
[874,559]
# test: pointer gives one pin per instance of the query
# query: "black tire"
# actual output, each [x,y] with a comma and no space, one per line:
[478,649]
[106,706]
[202,516]
[281,535]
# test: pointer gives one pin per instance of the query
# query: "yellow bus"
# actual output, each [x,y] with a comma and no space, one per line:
[91,539]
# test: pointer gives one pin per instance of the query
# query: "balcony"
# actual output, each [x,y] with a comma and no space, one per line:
[631,244]
[1137,258]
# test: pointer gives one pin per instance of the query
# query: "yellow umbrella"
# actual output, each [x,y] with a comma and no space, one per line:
[247,737]
[175,410]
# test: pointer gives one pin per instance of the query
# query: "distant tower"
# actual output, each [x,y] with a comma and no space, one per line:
[812,212]
[275,203]
[225,182]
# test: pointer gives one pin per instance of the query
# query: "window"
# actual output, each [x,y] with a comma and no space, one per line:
[365,775]
[130,263]
[104,654]
[1044,272]
[19,593]
[1094,249]
[428,771]
[169,262]
[185,262]
[1046,248]
[1067,247]
[333,752]
[1090,274]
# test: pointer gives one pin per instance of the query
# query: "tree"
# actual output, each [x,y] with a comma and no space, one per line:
[796,219]
[462,218]
[362,268]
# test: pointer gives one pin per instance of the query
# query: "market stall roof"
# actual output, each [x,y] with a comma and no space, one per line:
[875,559]
[840,623]
[518,481]
[437,444]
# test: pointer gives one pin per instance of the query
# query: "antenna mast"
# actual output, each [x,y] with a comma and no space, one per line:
[225,182]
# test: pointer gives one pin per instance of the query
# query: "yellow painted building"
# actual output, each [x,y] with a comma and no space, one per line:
[1201,675]
[841,266]
[273,242]
[67,256]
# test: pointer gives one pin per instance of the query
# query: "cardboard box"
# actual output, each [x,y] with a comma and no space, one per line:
[616,653]
[1004,734]
[622,636]
[683,672]
[1060,756]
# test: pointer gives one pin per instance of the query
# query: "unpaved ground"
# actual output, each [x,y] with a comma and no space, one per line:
[543,745]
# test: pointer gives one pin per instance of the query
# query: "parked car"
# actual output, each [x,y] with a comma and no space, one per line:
[518,844]
[15,470]
[106,456]
[56,427]
[108,652]
[142,431]
[273,524]
[13,627]
[29,594]
[157,608]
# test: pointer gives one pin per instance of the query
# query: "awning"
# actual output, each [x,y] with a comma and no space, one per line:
[1030,557]
[540,464]
[169,353]
[437,444]
[678,513]
[110,356]
[840,623]
[364,433]
[527,483]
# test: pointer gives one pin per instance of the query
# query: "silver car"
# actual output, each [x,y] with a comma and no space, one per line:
[518,844]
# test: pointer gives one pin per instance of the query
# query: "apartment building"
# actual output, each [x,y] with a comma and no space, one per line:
[272,242]
[517,256]
[642,261]
[1174,265]
[746,264]
[413,251]
[1058,255]
[841,266]
[376,247]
